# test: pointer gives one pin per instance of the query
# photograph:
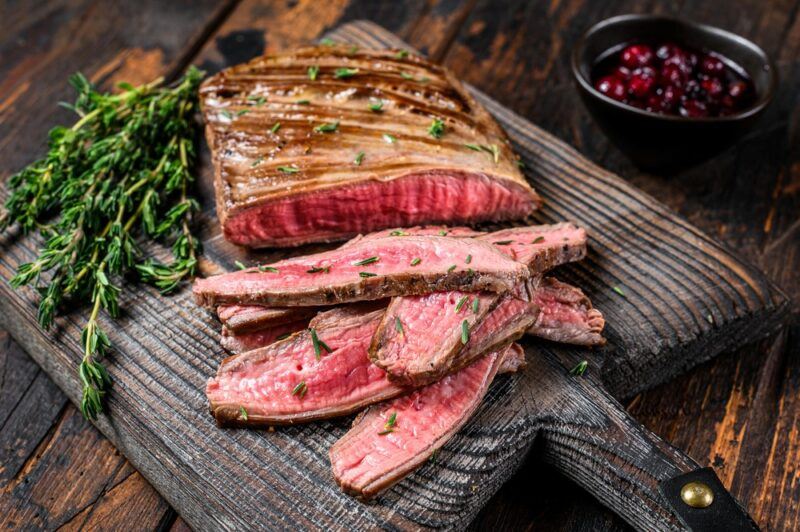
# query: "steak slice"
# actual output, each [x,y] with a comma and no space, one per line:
[368,270]
[566,315]
[286,383]
[420,336]
[390,440]
[285,148]
[240,343]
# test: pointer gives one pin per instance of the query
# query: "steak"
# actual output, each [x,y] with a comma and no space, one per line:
[368,270]
[287,382]
[390,440]
[566,315]
[420,336]
[375,140]
[240,343]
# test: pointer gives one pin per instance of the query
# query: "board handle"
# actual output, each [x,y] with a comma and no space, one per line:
[588,435]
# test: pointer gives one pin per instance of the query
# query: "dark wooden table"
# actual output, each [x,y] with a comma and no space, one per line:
[739,413]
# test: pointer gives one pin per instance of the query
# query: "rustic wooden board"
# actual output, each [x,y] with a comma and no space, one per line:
[673,276]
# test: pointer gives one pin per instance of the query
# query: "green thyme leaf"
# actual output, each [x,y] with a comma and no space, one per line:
[538,240]
[416,261]
[327,127]
[359,158]
[318,269]
[473,147]
[618,290]
[442,233]
[367,274]
[401,54]
[468,259]
[240,265]
[258,161]
[460,303]
[300,389]
[391,139]
[243,413]
[313,70]
[475,305]
[368,260]
[275,127]
[406,75]
[318,344]
[398,325]
[464,332]
[451,268]
[398,232]
[288,169]
[376,106]
[327,42]
[503,242]
[242,112]
[269,269]
[344,73]
[436,129]
[580,368]
[302,102]
[259,100]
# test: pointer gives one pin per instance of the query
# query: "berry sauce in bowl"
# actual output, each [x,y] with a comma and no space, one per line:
[671,93]
[668,78]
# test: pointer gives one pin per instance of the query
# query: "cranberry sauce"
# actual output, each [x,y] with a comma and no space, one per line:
[674,80]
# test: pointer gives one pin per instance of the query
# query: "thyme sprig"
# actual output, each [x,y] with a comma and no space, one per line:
[122,171]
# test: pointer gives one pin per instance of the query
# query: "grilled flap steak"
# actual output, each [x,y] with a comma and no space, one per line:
[370,269]
[566,315]
[390,440]
[420,336]
[241,343]
[372,139]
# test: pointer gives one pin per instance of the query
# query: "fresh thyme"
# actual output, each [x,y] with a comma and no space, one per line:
[580,368]
[406,75]
[376,107]
[327,42]
[359,158]
[538,240]
[319,269]
[401,54]
[343,73]
[243,413]
[468,259]
[368,260]
[618,290]
[328,127]
[442,233]
[451,268]
[416,261]
[367,274]
[503,242]
[319,345]
[390,424]
[436,130]
[398,325]
[391,139]
[275,127]
[460,303]
[239,265]
[300,389]
[398,232]
[258,161]
[492,150]
[120,175]
[313,70]
[475,305]
[464,332]
[302,102]
[270,269]
[288,169]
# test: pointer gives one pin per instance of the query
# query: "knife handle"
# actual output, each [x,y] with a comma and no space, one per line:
[588,435]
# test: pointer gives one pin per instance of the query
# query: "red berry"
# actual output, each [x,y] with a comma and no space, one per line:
[712,66]
[671,96]
[713,87]
[673,75]
[694,109]
[621,73]
[611,87]
[642,82]
[737,90]
[667,50]
[637,55]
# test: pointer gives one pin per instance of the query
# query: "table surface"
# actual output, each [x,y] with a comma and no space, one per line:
[739,413]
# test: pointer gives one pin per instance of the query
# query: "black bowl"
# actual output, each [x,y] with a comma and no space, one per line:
[666,143]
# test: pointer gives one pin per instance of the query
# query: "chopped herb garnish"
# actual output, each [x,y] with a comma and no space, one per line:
[328,127]
[268,269]
[259,100]
[436,130]
[491,149]
[227,114]
[240,265]
[473,147]
[313,70]
[434,455]
[520,165]
[327,42]
[284,336]
[353,49]
[303,102]
[390,424]
[401,54]
[398,232]
[503,242]
[275,127]
[618,290]
[367,274]
[342,73]
[368,260]
[242,112]
[318,344]
[406,75]
[442,233]
[580,368]
[460,303]
[538,239]
[464,332]
[257,161]
[288,169]
[398,325]
[475,305]
[468,259]
[424,79]
[376,107]
[300,389]
[391,139]
[470,271]
[451,268]
[416,261]
[359,158]
[318,269]
[243,413]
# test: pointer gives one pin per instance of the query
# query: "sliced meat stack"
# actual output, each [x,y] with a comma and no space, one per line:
[412,324]
[323,143]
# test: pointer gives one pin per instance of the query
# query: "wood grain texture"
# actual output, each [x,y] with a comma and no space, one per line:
[179,333]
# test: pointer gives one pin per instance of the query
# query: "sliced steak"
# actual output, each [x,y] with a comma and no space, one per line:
[285,148]
[390,440]
[368,270]
[287,383]
[420,336]
[241,343]
[566,315]
[239,319]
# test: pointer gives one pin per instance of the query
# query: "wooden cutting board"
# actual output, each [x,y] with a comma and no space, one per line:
[684,299]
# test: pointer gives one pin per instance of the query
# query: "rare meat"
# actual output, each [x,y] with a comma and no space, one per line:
[390,440]
[301,378]
[420,336]
[371,140]
[566,315]
[368,270]
[247,341]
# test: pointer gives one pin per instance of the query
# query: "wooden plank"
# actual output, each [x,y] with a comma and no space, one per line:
[159,373]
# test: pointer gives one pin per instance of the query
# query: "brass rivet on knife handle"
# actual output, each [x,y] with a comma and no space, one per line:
[697,495]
